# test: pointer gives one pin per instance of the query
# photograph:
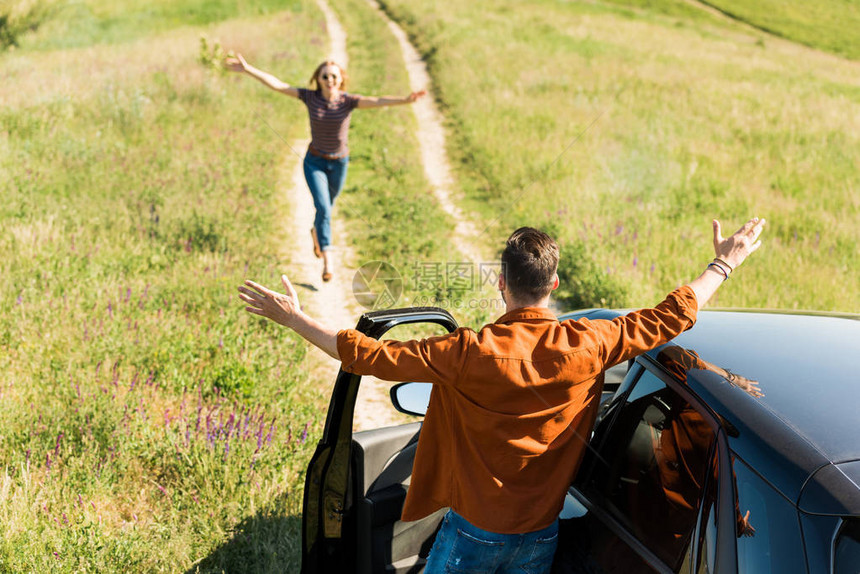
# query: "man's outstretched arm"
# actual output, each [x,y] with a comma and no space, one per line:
[285,310]
[632,334]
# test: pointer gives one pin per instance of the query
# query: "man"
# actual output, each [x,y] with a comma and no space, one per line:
[512,403]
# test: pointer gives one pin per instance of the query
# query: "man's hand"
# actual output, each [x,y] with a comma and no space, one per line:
[748,385]
[730,252]
[734,249]
[280,308]
[285,310]
[744,526]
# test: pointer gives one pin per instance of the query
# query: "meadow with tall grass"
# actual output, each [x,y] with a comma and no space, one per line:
[149,424]
[829,25]
[624,128]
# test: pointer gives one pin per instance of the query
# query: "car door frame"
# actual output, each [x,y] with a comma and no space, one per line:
[726,549]
[327,478]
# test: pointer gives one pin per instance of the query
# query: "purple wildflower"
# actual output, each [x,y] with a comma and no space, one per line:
[57,447]
[271,432]
[304,436]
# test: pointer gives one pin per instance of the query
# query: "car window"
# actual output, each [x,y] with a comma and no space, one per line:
[847,555]
[774,543]
[654,463]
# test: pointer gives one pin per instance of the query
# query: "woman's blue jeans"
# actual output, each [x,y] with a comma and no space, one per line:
[325,179]
[463,548]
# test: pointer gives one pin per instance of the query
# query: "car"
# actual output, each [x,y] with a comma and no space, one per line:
[734,448]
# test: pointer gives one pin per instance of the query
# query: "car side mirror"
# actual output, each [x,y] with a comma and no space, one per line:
[411,398]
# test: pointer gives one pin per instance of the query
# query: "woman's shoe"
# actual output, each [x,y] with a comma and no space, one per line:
[326,276]
[317,250]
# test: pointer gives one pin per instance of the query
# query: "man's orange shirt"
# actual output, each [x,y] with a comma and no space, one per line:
[512,405]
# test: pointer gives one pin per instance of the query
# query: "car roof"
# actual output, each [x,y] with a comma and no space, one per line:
[806,366]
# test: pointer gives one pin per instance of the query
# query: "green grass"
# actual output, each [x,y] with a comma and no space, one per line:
[148,422]
[64,25]
[386,198]
[626,129]
[829,25]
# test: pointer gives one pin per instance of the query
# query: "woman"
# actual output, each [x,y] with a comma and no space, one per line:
[329,108]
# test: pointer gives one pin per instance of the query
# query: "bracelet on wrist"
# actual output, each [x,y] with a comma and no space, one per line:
[719,270]
[722,262]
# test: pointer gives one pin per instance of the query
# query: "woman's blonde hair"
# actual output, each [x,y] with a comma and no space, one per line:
[344,78]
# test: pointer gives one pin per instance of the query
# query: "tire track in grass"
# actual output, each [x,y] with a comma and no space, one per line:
[437,170]
[334,303]
[432,141]
[331,302]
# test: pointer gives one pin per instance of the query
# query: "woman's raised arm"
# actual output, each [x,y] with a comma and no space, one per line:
[238,64]
[379,102]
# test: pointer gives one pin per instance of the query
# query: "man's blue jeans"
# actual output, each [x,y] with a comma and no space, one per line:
[463,548]
[325,179]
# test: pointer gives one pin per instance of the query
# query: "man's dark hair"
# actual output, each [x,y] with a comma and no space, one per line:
[529,263]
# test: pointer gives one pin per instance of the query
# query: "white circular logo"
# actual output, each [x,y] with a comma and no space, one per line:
[377,285]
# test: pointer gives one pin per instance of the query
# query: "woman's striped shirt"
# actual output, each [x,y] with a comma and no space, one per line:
[329,121]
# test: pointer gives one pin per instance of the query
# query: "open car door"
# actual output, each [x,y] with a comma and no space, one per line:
[356,483]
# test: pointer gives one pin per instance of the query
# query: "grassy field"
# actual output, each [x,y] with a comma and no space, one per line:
[829,25]
[150,425]
[625,129]
[386,183]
